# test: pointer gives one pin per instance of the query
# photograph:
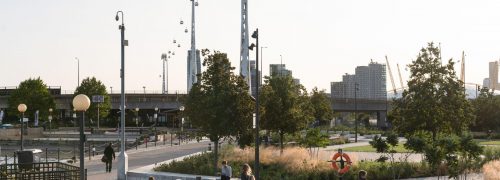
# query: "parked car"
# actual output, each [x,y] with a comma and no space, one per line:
[6,126]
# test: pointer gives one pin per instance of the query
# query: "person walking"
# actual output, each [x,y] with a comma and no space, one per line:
[246,173]
[226,171]
[109,153]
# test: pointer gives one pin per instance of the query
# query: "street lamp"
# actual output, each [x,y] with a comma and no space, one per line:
[164,58]
[182,123]
[356,88]
[156,122]
[81,103]
[50,119]
[255,35]
[78,77]
[137,116]
[74,117]
[22,108]
[122,158]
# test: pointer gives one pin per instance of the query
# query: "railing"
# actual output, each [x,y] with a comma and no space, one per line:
[46,170]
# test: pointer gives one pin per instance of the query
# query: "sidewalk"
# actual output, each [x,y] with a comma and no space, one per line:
[144,157]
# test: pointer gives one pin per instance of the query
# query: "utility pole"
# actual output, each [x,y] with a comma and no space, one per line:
[356,111]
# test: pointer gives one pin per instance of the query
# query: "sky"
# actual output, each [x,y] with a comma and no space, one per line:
[319,40]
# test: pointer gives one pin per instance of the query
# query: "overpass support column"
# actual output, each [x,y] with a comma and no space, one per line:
[382,119]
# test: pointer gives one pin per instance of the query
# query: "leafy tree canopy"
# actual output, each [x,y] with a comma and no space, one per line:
[435,100]
[486,107]
[321,105]
[286,106]
[219,104]
[90,86]
[36,96]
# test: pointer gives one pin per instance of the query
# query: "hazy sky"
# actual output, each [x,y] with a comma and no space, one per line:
[320,40]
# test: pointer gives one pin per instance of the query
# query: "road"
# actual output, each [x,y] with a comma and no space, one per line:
[142,157]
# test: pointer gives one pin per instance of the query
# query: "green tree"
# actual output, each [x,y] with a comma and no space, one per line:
[321,105]
[486,107]
[286,106]
[35,94]
[90,86]
[219,104]
[433,107]
[315,139]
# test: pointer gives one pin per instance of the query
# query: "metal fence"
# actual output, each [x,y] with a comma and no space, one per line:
[35,171]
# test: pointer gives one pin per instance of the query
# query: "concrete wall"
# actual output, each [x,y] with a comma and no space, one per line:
[15,134]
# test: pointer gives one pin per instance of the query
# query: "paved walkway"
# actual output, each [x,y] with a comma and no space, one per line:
[142,157]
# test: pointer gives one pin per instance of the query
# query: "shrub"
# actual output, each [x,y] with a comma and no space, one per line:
[491,170]
[294,164]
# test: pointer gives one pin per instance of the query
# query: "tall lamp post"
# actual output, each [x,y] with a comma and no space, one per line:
[50,119]
[164,58]
[356,88]
[122,158]
[78,77]
[22,108]
[156,123]
[255,35]
[81,103]
[137,116]
[181,109]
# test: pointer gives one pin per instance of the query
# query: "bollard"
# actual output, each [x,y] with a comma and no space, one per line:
[46,155]
[136,143]
[163,139]
[156,139]
[146,142]
[171,139]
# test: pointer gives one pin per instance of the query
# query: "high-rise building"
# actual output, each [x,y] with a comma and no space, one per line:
[378,86]
[254,78]
[486,82]
[281,70]
[371,82]
[493,75]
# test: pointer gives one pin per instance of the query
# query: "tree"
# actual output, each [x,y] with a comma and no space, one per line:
[286,106]
[486,107]
[315,139]
[35,94]
[321,105]
[90,86]
[433,107]
[219,104]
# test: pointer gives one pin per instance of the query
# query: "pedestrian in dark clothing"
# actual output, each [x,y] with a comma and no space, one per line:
[109,153]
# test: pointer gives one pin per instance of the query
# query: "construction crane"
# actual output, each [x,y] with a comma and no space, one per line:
[390,75]
[400,79]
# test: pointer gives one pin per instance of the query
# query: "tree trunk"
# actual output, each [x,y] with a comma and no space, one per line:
[216,156]
[281,143]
